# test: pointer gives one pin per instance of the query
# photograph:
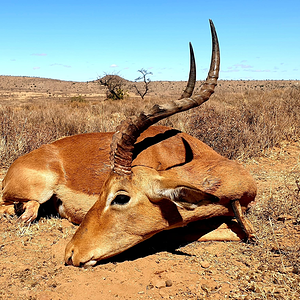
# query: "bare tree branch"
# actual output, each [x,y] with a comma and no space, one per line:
[146,81]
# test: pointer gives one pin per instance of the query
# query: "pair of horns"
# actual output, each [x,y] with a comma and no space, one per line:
[129,130]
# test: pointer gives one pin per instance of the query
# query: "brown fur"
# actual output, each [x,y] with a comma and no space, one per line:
[75,168]
[72,169]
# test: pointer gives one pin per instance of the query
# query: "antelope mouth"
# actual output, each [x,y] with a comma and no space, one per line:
[89,264]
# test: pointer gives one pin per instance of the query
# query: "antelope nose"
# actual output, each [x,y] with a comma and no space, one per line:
[69,261]
[73,259]
[69,258]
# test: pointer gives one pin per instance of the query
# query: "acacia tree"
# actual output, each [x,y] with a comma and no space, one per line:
[146,81]
[115,86]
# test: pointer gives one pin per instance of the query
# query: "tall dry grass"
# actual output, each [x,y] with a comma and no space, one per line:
[25,128]
[248,124]
[236,124]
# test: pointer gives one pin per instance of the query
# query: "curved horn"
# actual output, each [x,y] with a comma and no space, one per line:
[129,130]
[192,77]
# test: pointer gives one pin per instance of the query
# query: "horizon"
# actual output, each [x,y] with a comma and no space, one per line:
[85,81]
[69,41]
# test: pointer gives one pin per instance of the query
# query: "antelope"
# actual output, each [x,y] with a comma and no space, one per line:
[69,172]
[162,182]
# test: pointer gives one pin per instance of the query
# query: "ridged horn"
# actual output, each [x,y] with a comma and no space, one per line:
[192,76]
[129,130]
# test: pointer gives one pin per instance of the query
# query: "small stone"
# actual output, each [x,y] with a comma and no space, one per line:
[205,264]
[169,283]
[149,286]
[159,283]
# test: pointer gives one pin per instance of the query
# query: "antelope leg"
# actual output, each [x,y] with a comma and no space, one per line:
[243,221]
[30,211]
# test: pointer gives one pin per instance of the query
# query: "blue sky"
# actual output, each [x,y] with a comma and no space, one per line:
[80,40]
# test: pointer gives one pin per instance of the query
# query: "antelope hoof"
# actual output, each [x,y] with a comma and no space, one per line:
[243,221]
[30,213]
[251,239]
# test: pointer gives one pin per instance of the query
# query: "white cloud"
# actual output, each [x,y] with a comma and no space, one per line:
[113,66]
[242,66]
[261,71]
[239,67]
[60,65]
[39,54]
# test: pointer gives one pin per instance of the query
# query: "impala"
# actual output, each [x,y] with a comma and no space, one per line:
[162,182]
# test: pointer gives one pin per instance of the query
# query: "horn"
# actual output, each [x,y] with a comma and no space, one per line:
[129,130]
[192,76]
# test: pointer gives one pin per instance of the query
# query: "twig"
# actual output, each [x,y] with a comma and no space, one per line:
[25,229]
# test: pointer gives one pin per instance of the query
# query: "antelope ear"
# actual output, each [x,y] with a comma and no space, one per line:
[182,194]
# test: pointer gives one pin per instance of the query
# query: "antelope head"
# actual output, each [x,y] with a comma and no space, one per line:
[137,201]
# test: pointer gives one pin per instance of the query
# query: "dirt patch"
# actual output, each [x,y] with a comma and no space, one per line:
[163,267]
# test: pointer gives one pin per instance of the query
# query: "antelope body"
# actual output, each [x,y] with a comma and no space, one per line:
[123,188]
[70,172]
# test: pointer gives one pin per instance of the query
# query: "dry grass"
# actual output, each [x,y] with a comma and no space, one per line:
[28,127]
[276,218]
[248,124]
[236,124]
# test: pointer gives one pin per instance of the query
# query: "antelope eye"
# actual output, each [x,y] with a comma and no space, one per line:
[120,200]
